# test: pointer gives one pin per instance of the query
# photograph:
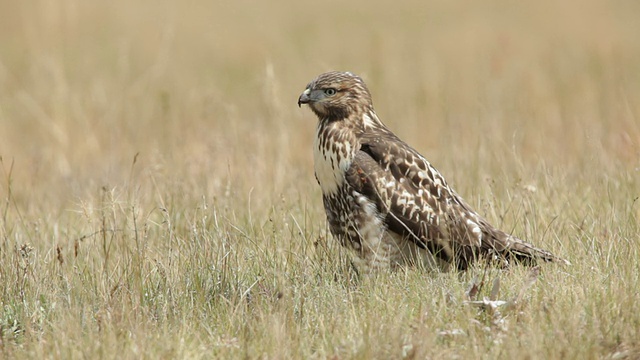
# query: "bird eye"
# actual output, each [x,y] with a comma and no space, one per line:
[330,91]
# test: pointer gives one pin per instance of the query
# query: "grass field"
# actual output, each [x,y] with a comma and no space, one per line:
[157,197]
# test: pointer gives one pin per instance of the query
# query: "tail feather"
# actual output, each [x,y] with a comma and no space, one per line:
[523,251]
[498,246]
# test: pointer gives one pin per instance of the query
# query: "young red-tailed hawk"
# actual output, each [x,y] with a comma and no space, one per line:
[385,200]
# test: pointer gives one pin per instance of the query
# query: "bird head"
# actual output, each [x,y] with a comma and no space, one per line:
[336,95]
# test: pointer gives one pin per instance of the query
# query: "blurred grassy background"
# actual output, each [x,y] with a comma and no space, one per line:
[86,85]
[531,109]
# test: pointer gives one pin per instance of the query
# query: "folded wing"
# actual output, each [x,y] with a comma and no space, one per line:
[417,203]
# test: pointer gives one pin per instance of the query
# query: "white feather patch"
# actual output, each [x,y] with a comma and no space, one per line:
[330,166]
[475,229]
[368,122]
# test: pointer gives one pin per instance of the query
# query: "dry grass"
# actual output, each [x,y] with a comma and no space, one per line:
[158,200]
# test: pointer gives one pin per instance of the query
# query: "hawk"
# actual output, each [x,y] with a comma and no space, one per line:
[386,201]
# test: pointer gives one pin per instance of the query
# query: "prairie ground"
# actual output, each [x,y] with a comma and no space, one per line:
[157,197]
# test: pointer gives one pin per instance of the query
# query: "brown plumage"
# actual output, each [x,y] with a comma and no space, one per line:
[385,200]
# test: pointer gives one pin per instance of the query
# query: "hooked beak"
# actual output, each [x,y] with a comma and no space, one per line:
[304,98]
